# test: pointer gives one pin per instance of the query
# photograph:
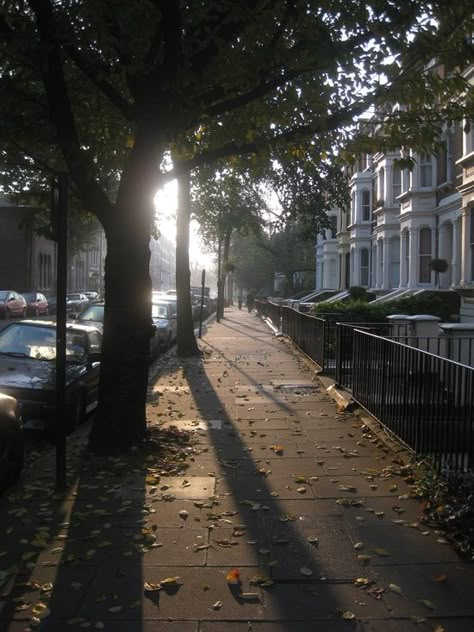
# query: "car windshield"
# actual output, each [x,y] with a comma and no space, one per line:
[96,312]
[29,296]
[39,343]
[3,295]
[159,310]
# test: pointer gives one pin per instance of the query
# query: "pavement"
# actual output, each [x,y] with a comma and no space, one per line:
[258,505]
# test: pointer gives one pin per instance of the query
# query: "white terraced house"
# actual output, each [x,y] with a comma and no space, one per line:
[399,220]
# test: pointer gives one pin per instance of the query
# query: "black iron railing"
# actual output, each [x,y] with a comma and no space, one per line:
[314,336]
[425,400]
[344,347]
[458,349]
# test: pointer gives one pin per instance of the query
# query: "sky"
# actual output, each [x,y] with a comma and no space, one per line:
[166,204]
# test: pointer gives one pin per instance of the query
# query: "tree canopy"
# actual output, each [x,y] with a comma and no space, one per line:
[104,89]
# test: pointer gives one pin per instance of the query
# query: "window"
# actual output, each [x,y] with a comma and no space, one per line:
[396,184]
[381,187]
[471,247]
[366,206]
[364,267]
[442,164]
[424,272]
[333,223]
[426,171]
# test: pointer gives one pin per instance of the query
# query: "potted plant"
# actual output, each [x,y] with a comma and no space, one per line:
[438,266]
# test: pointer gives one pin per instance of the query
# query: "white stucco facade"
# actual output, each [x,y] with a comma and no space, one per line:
[400,220]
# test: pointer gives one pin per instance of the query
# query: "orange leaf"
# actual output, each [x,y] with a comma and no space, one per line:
[441,578]
[233,576]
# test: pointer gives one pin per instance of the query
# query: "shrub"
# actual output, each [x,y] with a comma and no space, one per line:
[443,306]
[358,293]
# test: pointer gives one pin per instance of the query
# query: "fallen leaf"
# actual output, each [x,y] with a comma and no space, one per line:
[218,605]
[348,615]
[441,579]
[396,589]
[233,576]
[169,580]
[248,596]
[304,570]
[151,587]
[381,552]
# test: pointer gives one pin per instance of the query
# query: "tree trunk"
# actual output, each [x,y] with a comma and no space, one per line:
[120,421]
[187,345]
[223,275]
[219,274]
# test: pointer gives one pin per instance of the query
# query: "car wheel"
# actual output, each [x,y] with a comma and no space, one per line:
[37,312]
[11,458]
[46,312]
[23,313]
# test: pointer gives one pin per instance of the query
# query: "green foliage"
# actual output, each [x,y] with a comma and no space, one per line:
[357,311]
[448,505]
[358,293]
[438,265]
[254,265]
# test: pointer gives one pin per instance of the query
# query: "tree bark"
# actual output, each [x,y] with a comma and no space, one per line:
[223,274]
[219,274]
[120,420]
[186,340]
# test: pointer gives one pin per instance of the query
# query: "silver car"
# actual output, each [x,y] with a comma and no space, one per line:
[164,318]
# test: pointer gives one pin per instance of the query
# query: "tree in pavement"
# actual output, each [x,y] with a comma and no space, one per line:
[104,90]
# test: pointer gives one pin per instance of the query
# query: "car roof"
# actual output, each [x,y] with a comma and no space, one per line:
[52,325]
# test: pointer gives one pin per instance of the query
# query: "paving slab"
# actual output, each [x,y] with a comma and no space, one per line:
[319,548]
[283,626]
[192,597]
[431,590]
[402,543]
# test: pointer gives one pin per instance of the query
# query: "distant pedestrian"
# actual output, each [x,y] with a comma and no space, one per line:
[250,301]
[240,300]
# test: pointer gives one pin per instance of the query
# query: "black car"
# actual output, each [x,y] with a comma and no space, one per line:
[28,372]
[11,441]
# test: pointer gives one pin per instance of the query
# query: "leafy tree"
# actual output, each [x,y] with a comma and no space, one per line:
[225,202]
[253,262]
[107,88]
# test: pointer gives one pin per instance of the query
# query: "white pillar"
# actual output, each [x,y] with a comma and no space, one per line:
[356,270]
[389,184]
[386,264]
[413,259]
[403,259]
[455,259]
[465,254]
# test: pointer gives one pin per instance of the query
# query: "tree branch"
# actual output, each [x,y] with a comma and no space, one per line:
[81,168]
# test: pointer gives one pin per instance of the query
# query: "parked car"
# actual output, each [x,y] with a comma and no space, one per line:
[11,441]
[94,317]
[36,303]
[28,372]
[12,304]
[164,319]
[91,296]
[76,301]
